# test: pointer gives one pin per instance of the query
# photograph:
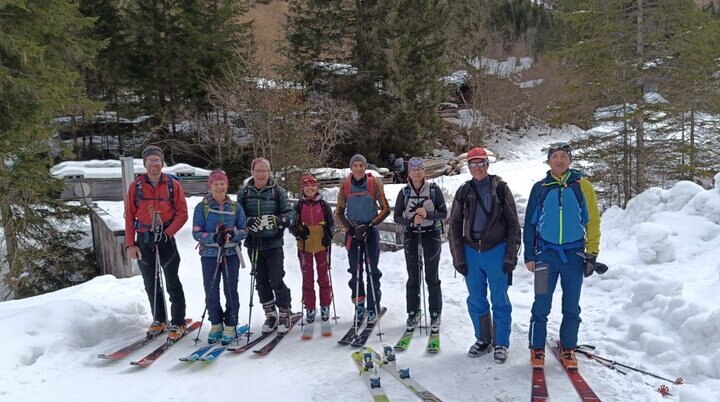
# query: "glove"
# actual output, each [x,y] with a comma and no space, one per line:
[590,264]
[303,233]
[282,222]
[229,234]
[462,269]
[351,231]
[360,232]
[326,241]
[253,224]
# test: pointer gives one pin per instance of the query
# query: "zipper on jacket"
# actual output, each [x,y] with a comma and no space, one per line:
[560,196]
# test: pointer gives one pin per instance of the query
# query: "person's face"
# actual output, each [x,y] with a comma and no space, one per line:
[310,190]
[416,175]
[559,162]
[219,188]
[478,168]
[261,173]
[358,170]
[153,165]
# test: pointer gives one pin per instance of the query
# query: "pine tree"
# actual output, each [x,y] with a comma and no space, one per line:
[44,45]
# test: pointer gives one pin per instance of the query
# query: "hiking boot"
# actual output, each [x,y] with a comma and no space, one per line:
[284,320]
[435,321]
[359,314]
[500,355]
[310,316]
[271,317]
[372,317]
[175,332]
[479,348]
[568,359]
[325,313]
[156,328]
[537,358]
[412,321]
[215,333]
[228,335]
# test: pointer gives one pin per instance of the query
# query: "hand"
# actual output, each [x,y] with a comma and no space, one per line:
[303,233]
[530,266]
[462,269]
[134,252]
[417,220]
[422,212]
[281,221]
[351,231]
[326,241]
[589,265]
[253,224]
[361,233]
[219,239]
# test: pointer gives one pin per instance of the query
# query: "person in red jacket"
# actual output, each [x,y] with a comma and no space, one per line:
[313,231]
[160,196]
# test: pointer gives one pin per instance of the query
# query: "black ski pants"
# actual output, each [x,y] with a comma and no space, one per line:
[170,264]
[269,274]
[431,245]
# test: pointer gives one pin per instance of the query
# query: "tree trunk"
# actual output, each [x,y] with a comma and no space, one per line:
[639,113]
[692,144]
[8,225]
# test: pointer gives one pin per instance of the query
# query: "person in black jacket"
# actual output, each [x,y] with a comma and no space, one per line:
[420,207]
[484,239]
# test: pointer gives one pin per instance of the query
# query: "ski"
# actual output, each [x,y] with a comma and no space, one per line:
[365,334]
[200,353]
[368,372]
[249,345]
[404,342]
[325,328]
[125,351]
[155,354]
[279,337]
[433,344]
[582,387]
[539,387]
[308,330]
[387,361]
[350,334]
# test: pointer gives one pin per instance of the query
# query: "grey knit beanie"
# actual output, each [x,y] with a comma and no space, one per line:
[358,157]
[152,150]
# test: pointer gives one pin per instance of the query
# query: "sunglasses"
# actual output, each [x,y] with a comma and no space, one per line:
[309,182]
[154,161]
[479,164]
[560,146]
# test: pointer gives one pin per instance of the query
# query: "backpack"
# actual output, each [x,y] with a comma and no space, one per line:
[170,188]
[246,192]
[433,196]
[546,188]
[206,209]
[501,191]
[370,186]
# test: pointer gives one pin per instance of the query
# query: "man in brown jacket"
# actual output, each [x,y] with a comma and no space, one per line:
[484,239]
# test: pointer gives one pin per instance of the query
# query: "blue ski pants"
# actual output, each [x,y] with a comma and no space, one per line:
[485,269]
[228,270]
[571,279]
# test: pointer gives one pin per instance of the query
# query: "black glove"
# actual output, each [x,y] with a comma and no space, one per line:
[600,268]
[326,241]
[462,269]
[281,222]
[590,264]
[229,234]
[351,230]
[253,224]
[219,237]
[360,232]
[303,233]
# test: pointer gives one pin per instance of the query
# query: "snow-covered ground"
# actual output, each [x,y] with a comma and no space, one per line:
[657,308]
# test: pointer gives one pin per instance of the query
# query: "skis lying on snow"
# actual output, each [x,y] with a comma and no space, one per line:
[368,372]
[433,344]
[582,387]
[278,337]
[155,354]
[387,361]
[200,354]
[149,337]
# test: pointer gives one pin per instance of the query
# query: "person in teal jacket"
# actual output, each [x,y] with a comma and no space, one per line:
[269,214]
[562,241]
[218,227]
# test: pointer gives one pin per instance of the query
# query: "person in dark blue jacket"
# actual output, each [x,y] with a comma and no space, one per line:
[219,225]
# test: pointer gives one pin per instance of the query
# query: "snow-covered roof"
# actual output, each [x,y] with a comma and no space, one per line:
[111,168]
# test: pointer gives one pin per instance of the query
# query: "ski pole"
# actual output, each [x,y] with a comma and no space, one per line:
[228,295]
[421,277]
[302,271]
[369,271]
[332,291]
[207,295]
[157,230]
[580,349]
[358,272]
[253,264]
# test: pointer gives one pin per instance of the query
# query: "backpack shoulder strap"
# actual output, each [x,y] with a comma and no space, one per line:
[138,191]
[371,186]
[171,190]
[346,189]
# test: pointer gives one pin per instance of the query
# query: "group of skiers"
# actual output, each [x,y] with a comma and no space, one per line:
[561,239]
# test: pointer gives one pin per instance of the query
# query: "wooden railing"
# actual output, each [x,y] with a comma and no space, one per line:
[109,245]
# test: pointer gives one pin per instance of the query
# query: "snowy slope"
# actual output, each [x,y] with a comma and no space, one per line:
[655,307]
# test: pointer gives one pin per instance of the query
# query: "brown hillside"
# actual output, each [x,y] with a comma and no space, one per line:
[269,20]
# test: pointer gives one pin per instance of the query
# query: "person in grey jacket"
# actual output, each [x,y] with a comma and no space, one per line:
[484,240]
